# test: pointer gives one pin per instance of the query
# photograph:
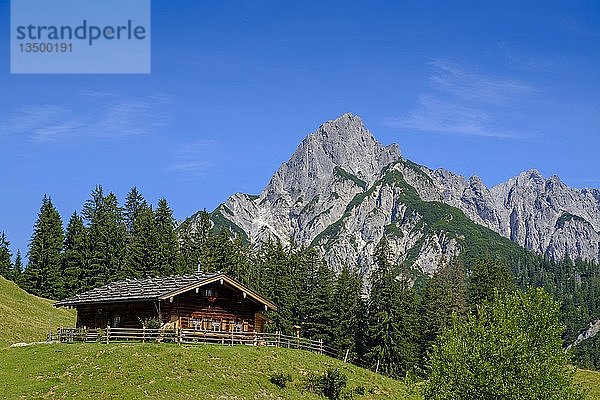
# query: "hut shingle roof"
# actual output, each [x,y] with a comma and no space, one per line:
[136,289]
[152,289]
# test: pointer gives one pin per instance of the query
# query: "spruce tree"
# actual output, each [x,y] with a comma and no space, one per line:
[240,262]
[168,257]
[318,318]
[75,257]
[216,252]
[276,283]
[5,257]
[143,247]
[42,276]
[392,318]
[445,294]
[194,241]
[489,276]
[133,204]
[107,239]
[17,271]
[349,311]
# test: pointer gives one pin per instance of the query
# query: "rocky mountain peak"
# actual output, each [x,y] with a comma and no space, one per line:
[531,178]
[343,142]
[476,182]
[349,144]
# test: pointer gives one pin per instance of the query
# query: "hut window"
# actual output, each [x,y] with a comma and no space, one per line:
[210,293]
[216,325]
[116,321]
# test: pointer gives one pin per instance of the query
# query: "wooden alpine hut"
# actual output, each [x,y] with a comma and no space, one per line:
[207,302]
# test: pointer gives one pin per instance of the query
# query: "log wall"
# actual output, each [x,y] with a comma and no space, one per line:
[214,307]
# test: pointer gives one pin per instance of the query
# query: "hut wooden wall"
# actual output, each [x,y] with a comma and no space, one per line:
[101,315]
[229,308]
[190,309]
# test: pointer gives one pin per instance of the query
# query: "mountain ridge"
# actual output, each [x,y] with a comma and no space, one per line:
[344,186]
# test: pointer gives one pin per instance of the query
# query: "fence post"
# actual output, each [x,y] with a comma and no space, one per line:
[346,356]
[107,333]
[377,368]
[320,346]
[278,343]
[144,334]
[255,341]
[179,336]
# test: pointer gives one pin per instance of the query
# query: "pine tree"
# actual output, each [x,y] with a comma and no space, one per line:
[17,271]
[168,257]
[445,293]
[133,204]
[107,239]
[392,318]
[75,257]
[273,266]
[143,247]
[5,257]
[488,277]
[194,240]
[318,318]
[349,311]
[42,275]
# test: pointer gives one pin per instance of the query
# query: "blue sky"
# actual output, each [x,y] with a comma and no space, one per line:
[487,88]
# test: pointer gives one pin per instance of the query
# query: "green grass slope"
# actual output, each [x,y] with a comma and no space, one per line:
[165,371]
[590,380]
[27,318]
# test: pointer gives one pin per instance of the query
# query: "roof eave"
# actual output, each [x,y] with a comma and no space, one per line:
[63,303]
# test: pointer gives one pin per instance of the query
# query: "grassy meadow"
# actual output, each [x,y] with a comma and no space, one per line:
[165,371]
[161,371]
[27,318]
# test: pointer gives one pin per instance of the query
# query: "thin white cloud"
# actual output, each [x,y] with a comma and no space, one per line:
[128,117]
[193,158]
[438,116]
[54,131]
[105,116]
[454,79]
[464,103]
[539,62]
[581,27]
[192,167]
[97,93]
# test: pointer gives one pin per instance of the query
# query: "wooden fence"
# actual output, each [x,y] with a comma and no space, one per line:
[191,336]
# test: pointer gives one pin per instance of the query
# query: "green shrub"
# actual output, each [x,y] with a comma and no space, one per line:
[330,384]
[281,379]
[151,323]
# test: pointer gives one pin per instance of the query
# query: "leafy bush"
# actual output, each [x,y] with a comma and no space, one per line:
[330,384]
[281,379]
[151,323]
[510,349]
[359,390]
